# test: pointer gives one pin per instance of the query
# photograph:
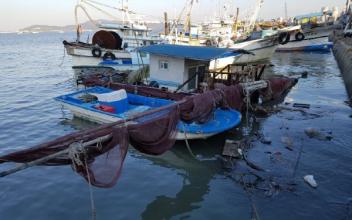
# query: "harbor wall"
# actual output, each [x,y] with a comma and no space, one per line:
[343,54]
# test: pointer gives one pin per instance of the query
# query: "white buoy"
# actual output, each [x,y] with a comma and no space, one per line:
[311,181]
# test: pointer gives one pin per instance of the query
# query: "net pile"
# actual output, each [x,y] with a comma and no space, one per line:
[277,87]
[152,132]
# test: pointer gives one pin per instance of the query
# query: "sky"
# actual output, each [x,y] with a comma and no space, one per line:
[16,14]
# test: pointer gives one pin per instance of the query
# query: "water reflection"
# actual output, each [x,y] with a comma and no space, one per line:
[197,173]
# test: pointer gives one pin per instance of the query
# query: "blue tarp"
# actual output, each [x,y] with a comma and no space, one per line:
[188,52]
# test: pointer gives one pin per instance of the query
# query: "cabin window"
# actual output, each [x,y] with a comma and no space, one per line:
[163,65]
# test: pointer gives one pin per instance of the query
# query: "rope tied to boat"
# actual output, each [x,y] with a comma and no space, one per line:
[75,152]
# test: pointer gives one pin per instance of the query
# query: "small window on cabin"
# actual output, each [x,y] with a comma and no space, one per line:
[163,65]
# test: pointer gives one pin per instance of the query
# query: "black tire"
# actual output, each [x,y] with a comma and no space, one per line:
[284,38]
[96,52]
[109,56]
[300,36]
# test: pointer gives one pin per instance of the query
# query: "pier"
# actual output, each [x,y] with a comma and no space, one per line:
[343,54]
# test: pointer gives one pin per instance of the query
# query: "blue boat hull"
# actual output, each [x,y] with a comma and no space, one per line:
[222,121]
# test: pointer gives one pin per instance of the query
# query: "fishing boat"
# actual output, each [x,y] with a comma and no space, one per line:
[314,31]
[114,41]
[261,48]
[308,40]
[225,34]
[103,105]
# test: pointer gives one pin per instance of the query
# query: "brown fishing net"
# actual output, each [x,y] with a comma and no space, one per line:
[102,161]
[233,95]
[149,91]
[200,108]
[277,87]
[156,134]
[153,132]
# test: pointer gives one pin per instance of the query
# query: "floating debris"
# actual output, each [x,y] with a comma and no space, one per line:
[232,149]
[304,75]
[301,105]
[311,181]
[266,140]
[260,111]
[288,142]
[312,132]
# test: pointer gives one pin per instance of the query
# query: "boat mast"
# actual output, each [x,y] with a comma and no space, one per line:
[254,17]
[235,27]
[187,25]
[286,16]
[348,2]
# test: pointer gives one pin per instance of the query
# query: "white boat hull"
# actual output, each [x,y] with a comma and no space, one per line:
[319,43]
[103,119]
[82,57]
[263,49]
[260,55]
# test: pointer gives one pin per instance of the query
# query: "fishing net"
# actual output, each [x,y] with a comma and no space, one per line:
[153,132]
[149,91]
[101,164]
[233,95]
[277,87]
[200,108]
[156,134]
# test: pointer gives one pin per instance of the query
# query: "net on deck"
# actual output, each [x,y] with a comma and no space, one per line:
[152,132]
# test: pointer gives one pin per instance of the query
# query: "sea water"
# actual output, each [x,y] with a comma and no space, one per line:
[34,69]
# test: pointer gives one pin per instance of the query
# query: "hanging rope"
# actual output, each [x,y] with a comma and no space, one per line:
[186,141]
[75,152]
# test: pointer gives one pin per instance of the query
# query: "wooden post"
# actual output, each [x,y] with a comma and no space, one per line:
[166,24]
[234,30]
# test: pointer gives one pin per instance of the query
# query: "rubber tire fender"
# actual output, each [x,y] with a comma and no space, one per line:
[300,36]
[208,43]
[96,52]
[109,56]
[284,38]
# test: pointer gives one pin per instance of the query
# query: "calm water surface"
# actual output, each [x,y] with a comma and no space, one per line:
[176,185]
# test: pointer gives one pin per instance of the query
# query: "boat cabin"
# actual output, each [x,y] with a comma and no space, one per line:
[180,67]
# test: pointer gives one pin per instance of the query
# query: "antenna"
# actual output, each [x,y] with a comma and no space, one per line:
[286,17]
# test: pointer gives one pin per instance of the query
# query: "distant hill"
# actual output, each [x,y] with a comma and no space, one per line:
[156,27]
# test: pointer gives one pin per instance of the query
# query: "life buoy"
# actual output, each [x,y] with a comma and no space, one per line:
[109,56]
[96,52]
[284,38]
[208,43]
[299,36]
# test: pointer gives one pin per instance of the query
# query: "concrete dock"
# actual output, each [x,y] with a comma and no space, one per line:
[343,54]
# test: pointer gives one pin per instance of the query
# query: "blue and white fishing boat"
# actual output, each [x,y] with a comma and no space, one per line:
[106,106]
[313,32]
[115,42]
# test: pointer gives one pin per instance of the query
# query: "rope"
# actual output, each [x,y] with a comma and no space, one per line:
[74,153]
[63,58]
[186,141]
[92,204]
